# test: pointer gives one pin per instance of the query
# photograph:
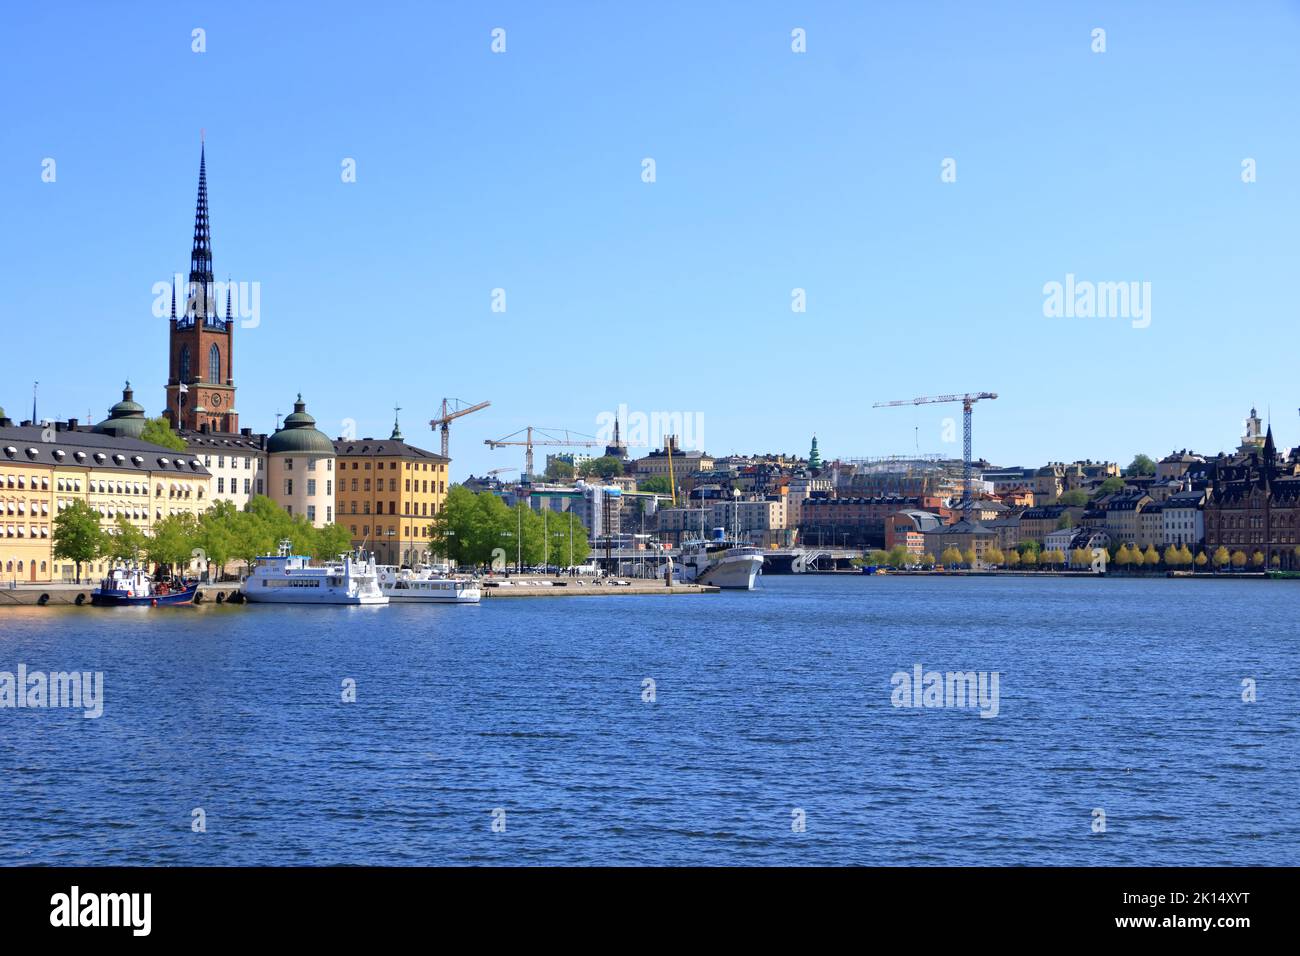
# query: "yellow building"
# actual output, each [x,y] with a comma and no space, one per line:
[43,469]
[387,494]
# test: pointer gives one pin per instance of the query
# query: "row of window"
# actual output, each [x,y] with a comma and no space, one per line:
[311,464]
[234,462]
[19,531]
[392,465]
[311,487]
[234,486]
[409,531]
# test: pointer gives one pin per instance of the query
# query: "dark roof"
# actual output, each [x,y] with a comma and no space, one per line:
[382,448]
[89,449]
[964,526]
[207,442]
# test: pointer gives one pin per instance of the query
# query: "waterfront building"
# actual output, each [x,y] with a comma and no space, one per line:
[1007,529]
[1038,522]
[200,378]
[44,469]
[856,522]
[1184,518]
[300,468]
[908,528]
[1123,515]
[1254,503]
[675,525]
[237,463]
[761,523]
[388,493]
[965,535]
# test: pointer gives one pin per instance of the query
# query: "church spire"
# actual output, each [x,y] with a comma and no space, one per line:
[397,430]
[201,254]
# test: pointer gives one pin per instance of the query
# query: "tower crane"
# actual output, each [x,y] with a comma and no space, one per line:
[500,471]
[552,436]
[968,401]
[452,408]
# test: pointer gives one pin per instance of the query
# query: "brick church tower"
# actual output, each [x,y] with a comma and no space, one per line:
[200,379]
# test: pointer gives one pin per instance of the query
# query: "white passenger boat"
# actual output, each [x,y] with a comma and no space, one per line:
[721,563]
[286,578]
[424,586]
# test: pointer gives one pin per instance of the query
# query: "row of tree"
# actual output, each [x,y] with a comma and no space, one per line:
[220,535]
[481,529]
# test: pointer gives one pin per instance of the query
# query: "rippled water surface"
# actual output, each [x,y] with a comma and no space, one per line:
[1123,696]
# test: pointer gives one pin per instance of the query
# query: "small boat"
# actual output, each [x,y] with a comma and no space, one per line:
[420,585]
[287,578]
[132,587]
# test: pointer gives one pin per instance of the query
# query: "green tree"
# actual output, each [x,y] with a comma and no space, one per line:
[658,484]
[950,556]
[158,431]
[1027,546]
[252,534]
[1110,486]
[994,556]
[1140,466]
[77,535]
[217,534]
[331,541]
[899,556]
[1065,521]
[927,559]
[969,558]
[1076,497]
[564,529]
[557,470]
[606,466]
[126,542]
[174,539]
[1013,558]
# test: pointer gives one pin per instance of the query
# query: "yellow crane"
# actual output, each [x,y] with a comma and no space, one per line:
[452,408]
[968,400]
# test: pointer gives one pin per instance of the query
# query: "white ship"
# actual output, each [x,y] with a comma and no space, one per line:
[286,578]
[720,563]
[424,586]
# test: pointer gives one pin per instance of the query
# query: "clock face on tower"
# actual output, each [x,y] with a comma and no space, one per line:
[216,401]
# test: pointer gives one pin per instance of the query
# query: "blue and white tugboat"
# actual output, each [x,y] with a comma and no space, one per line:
[132,587]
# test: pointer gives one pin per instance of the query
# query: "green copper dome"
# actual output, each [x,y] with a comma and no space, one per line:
[126,419]
[299,435]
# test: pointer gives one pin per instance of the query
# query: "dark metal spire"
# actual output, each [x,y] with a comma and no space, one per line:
[173,297]
[201,255]
[230,317]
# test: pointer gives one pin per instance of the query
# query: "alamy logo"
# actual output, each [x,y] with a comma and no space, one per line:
[652,428]
[103,909]
[81,690]
[922,688]
[245,299]
[1084,299]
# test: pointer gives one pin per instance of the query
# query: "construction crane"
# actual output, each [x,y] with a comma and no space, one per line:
[563,438]
[500,471]
[968,401]
[452,408]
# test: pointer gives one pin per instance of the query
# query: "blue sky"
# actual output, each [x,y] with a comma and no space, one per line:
[774,171]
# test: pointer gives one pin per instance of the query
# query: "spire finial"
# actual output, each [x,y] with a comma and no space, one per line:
[397,431]
[173,296]
[229,315]
[201,253]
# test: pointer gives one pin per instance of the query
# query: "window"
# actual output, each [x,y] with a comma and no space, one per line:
[185,363]
[288,464]
[311,513]
[329,488]
[247,483]
[214,363]
[311,487]
[221,486]
[329,514]
[288,486]
[311,464]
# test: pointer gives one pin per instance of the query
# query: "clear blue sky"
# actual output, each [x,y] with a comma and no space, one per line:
[774,171]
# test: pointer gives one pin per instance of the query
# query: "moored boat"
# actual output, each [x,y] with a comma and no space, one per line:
[133,587]
[287,578]
[721,562]
[423,586]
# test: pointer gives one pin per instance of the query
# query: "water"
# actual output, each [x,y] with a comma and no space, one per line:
[1119,695]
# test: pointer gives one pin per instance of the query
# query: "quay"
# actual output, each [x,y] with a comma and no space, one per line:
[227,592]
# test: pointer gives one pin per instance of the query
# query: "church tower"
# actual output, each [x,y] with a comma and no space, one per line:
[200,379]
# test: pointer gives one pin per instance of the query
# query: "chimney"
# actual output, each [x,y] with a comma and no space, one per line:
[72,424]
